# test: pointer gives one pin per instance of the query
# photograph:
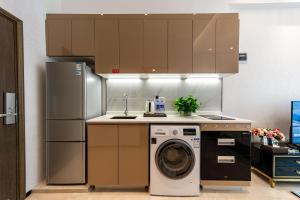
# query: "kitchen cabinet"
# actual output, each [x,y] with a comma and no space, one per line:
[155,46]
[133,154]
[107,46]
[204,45]
[118,154]
[58,37]
[180,46]
[83,38]
[103,155]
[131,45]
[227,45]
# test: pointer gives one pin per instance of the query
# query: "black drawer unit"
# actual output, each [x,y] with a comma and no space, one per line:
[286,167]
[225,155]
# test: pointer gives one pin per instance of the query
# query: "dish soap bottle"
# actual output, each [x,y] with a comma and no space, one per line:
[162,104]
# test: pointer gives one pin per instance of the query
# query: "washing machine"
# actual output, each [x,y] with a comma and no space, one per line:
[175,160]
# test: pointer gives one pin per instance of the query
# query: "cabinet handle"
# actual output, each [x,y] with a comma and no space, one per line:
[226,159]
[297,172]
[298,162]
[226,142]
[231,48]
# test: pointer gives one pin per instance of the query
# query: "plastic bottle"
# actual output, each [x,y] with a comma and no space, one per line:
[157,104]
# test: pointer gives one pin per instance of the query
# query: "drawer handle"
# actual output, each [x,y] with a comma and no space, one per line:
[298,162]
[226,142]
[297,172]
[226,159]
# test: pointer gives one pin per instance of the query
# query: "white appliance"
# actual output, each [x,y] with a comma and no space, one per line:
[175,160]
[149,107]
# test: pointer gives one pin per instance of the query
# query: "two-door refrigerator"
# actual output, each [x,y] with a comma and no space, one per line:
[73,95]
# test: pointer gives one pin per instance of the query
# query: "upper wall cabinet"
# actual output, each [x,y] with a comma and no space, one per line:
[70,35]
[107,46]
[131,45]
[155,46]
[154,43]
[180,46]
[227,45]
[58,37]
[204,44]
[83,39]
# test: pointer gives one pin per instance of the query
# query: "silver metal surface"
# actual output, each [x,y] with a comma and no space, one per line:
[226,159]
[226,142]
[125,96]
[93,84]
[65,90]
[9,108]
[65,130]
[65,162]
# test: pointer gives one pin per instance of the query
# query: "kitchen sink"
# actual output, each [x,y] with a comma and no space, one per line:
[123,117]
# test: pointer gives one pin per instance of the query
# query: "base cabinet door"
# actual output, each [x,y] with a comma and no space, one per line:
[103,155]
[133,155]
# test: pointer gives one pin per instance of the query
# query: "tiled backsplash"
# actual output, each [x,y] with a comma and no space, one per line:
[207,90]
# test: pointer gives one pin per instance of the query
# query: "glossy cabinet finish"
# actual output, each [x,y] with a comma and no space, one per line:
[103,155]
[227,45]
[155,46]
[58,35]
[204,45]
[225,156]
[118,155]
[107,45]
[131,45]
[180,46]
[133,155]
[83,38]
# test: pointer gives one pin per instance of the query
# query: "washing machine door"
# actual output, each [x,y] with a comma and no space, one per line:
[175,158]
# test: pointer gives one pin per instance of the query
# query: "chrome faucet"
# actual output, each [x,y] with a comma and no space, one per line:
[125,98]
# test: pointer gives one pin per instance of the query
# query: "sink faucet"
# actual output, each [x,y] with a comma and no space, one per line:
[125,96]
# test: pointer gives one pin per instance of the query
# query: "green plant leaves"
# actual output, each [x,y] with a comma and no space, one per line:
[186,104]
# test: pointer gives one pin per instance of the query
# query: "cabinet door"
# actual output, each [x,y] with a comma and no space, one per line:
[83,37]
[180,46]
[204,43]
[131,46]
[155,46]
[107,45]
[58,37]
[133,155]
[227,46]
[103,155]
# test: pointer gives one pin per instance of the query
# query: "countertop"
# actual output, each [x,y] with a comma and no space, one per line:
[105,119]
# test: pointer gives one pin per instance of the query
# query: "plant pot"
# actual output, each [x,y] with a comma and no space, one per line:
[186,114]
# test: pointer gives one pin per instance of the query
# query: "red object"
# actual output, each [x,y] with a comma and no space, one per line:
[115,71]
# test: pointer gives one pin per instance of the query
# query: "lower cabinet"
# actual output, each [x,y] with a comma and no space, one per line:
[225,156]
[118,155]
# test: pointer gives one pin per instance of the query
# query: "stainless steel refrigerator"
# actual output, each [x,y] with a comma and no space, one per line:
[73,95]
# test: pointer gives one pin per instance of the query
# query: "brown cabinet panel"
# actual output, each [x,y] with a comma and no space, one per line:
[180,46]
[83,37]
[107,45]
[227,45]
[58,37]
[133,155]
[131,45]
[155,46]
[103,155]
[204,45]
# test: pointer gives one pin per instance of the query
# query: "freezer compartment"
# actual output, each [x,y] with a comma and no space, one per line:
[66,163]
[65,130]
[65,90]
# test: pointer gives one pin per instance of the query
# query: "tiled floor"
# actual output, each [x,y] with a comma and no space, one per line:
[259,190]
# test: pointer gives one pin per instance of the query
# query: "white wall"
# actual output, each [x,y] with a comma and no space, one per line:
[269,33]
[32,13]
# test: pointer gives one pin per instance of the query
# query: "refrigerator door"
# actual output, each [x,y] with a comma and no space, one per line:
[93,95]
[65,91]
[65,130]
[65,163]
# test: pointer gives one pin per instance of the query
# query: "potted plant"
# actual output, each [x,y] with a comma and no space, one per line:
[186,105]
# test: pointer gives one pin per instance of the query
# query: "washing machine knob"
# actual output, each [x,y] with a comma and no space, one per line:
[175,132]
